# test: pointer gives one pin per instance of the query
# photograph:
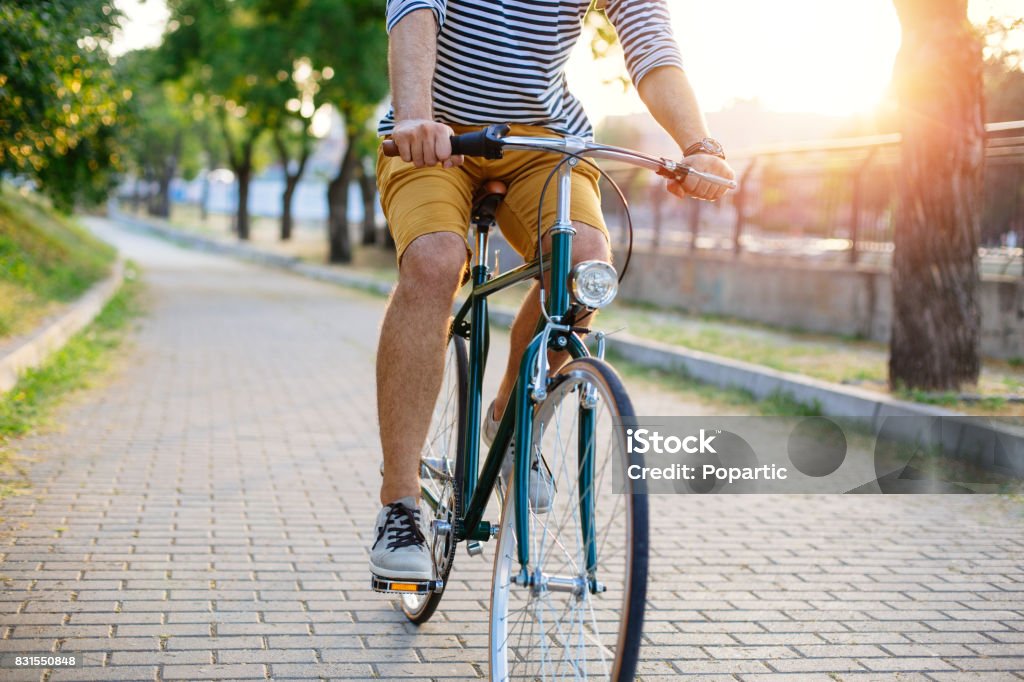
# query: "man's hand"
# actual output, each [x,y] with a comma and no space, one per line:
[702,189]
[425,143]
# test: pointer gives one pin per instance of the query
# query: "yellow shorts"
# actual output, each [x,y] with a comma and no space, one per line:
[419,201]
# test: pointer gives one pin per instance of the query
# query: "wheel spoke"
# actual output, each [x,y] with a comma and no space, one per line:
[438,477]
[550,633]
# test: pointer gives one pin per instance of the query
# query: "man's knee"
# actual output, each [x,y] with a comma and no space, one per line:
[434,263]
[589,243]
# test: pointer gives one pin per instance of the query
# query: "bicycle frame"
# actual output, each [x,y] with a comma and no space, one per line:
[472,323]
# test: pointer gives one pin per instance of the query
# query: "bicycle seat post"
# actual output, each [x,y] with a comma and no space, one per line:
[485,205]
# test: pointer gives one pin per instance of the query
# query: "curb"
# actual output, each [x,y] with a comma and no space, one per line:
[251,254]
[990,445]
[51,337]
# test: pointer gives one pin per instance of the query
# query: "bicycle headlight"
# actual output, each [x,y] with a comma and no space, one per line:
[593,283]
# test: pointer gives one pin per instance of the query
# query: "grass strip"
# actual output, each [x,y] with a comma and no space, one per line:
[31,402]
[777,404]
[45,259]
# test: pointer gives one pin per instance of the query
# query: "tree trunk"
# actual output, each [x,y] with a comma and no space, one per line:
[137,194]
[290,183]
[339,239]
[243,172]
[160,205]
[240,160]
[936,321]
[151,196]
[389,240]
[368,190]
[204,197]
[244,176]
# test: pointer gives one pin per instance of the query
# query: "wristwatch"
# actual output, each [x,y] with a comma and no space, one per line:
[706,146]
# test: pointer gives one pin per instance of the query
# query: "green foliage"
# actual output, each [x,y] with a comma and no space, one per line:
[349,39]
[270,64]
[1004,101]
[604,44]
[1004,69]
[43,258]
[58,96]
[230,65]
[161,126]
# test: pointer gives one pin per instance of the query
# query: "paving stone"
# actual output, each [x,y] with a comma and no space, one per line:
[102,674]
[247,671]
[218,492]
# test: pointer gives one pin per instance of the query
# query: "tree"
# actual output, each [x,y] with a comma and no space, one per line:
[364,147]
[1004,69]
[226,53]
[288,134]
[938,81]
[59,102]
[351,41]
[160,125]
[1004,101]
[298,98]
[368,192]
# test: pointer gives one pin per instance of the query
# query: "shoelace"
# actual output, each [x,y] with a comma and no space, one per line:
[402,526]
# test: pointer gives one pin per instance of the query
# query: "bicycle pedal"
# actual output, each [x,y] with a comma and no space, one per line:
[390,586]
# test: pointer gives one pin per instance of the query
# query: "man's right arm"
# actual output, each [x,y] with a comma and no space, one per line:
[412,54]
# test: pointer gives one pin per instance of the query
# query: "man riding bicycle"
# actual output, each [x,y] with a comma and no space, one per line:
[455,66]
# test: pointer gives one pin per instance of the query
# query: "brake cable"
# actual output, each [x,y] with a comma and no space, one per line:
[540,218]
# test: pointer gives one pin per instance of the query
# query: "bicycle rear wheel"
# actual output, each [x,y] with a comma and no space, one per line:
[558,627]
[441,474]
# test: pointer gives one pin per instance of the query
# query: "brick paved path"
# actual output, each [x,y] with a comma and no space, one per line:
[204,515]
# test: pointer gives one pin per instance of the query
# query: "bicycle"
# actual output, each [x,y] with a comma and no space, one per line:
[568,585]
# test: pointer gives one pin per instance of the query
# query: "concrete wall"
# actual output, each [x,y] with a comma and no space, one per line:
[833,299]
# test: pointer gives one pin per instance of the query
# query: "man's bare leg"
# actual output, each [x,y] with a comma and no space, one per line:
[588,244]
[410,356]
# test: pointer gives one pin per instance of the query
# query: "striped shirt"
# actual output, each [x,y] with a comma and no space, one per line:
[503,61]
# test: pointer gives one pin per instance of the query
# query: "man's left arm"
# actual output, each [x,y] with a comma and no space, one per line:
[656,68]
[668,96]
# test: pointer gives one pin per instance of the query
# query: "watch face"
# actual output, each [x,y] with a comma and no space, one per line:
[711,146]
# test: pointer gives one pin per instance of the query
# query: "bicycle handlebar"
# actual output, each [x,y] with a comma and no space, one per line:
[492,141]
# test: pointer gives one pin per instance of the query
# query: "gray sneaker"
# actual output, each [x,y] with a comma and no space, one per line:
[400,551]
[542,488]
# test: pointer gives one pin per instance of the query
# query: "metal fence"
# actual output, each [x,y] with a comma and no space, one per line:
[830,201]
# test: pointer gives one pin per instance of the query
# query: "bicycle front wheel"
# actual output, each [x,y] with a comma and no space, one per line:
[582,616]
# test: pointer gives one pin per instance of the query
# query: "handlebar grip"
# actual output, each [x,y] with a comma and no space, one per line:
[485,143]
[681,171]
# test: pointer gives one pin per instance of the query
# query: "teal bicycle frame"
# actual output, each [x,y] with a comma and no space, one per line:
[471,322]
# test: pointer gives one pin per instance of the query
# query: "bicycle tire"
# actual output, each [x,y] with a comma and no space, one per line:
[446,440]
[519,636]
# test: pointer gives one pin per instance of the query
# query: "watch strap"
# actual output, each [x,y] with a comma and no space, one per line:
[705,146]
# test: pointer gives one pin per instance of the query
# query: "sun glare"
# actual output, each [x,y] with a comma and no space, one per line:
[821,56]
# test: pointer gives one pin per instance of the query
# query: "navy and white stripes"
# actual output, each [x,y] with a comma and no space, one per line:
[504,60]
